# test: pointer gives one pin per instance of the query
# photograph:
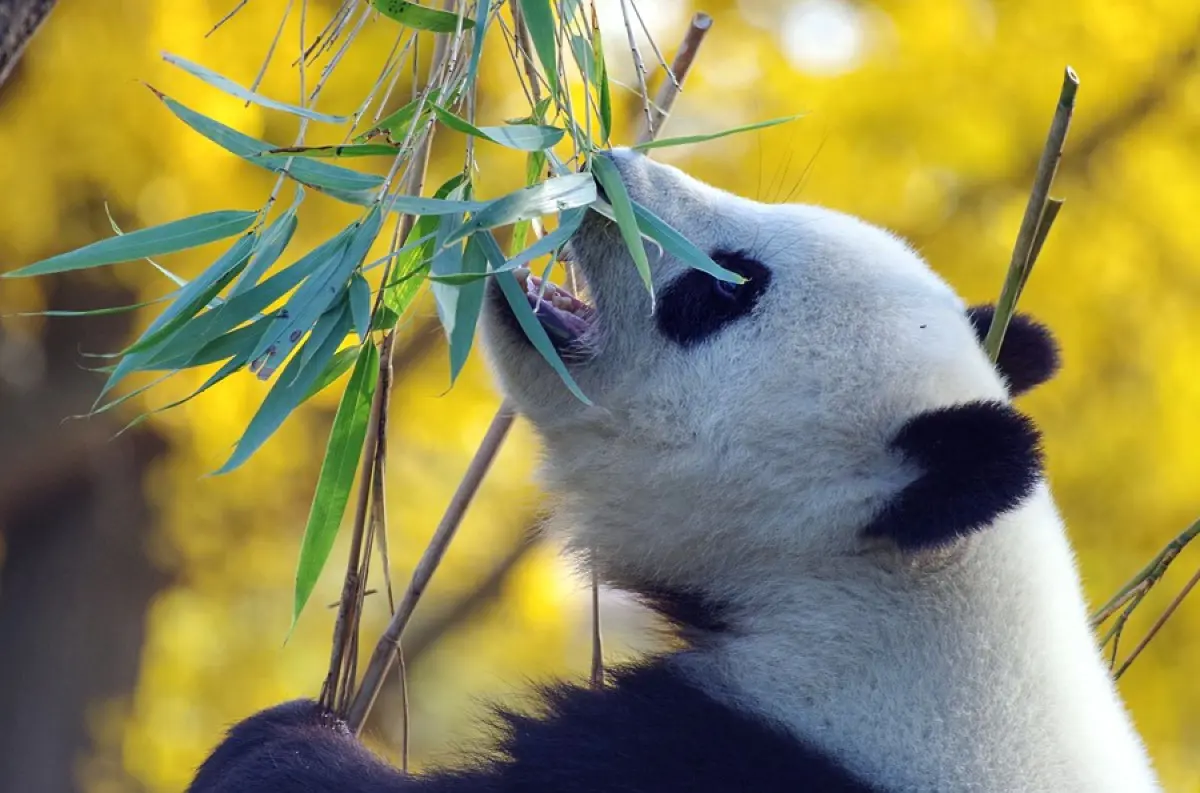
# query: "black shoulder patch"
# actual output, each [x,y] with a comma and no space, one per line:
[648,731]
[693,615]
[977,461]
[1029,355]
[696,306]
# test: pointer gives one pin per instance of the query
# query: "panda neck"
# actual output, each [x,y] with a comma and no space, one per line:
[983,677]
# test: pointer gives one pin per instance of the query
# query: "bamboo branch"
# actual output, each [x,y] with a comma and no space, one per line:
[1035,225]
[386,650]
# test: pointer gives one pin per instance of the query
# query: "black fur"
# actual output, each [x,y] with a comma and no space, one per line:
[1029,355]
[695,306]
[977,461]
[694,615]
[648,731]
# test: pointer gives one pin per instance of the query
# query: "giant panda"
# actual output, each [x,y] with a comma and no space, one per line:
[819,476]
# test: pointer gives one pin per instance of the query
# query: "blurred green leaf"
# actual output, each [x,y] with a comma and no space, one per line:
[176,235]
[415,16]
[339,182]
[342,454]
[222,83]
[360,305]
[662,143]
[539,18]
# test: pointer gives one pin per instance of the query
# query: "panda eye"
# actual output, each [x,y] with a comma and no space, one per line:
[696,306]
[725,289]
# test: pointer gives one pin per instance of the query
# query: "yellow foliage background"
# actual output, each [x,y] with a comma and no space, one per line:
[929,124]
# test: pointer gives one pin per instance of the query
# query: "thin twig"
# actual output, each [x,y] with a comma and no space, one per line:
[385,651]
[1148,575]
[1035,212]
[241,4]
[638,64]
[1157,626]
[597,676]
[262,70]
[697,30]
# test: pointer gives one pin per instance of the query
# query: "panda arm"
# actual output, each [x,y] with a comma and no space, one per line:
[297,747]
[975,460]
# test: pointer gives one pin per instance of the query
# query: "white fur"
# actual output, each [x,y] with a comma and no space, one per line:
[744,468]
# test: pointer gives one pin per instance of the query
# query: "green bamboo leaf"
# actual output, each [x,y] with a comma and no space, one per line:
[316,295]
[397,123]
[93,312]
[526,318]
[338,366]
[290,389]
[609,177]
[539,18]
[468,304]
[197,294]
[523,137]
[680,247]
[568,224]
[222,83]
[601,80]
[415,16]
[341,150]
[117,230]
[662,143]
[176,235]
[418,205]
[270,246]
[342,183]
[342,453]
[326,324]
[553,195]
[360,305]
[482,7]
[238,342]
[399,294]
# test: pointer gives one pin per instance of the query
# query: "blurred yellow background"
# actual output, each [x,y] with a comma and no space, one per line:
[144,606]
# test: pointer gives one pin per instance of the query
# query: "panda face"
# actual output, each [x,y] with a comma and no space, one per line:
[762,409]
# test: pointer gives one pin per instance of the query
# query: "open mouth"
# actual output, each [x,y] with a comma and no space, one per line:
[565,318]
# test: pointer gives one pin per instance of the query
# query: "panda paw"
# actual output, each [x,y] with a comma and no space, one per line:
[977,460]
[296,746]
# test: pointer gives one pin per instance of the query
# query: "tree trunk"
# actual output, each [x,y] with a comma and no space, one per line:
[19,20]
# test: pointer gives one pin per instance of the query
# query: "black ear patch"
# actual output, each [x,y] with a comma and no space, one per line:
[1029,355]
[977,461]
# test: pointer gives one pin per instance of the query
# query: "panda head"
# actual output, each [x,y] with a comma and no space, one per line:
[738,428]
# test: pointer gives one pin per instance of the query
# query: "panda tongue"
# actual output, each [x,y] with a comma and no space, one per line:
[563,315]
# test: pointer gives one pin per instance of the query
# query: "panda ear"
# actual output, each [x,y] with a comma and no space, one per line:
[1029,355]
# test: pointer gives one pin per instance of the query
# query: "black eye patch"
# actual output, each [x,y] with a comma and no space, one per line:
[695,306]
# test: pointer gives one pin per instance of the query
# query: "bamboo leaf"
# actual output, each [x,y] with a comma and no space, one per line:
[523,137]
[342,183]
[338,366]
[539,18]
[482,7]
[270,247]
[176,235]
[342,453]
[468,304]
[609,177]
[679,246]
[197,294]
[525,317]
[291,388]
[360,305]
[343,150]
[662,143]
[568,224]
[553,195]
[223,83]
[415,16]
